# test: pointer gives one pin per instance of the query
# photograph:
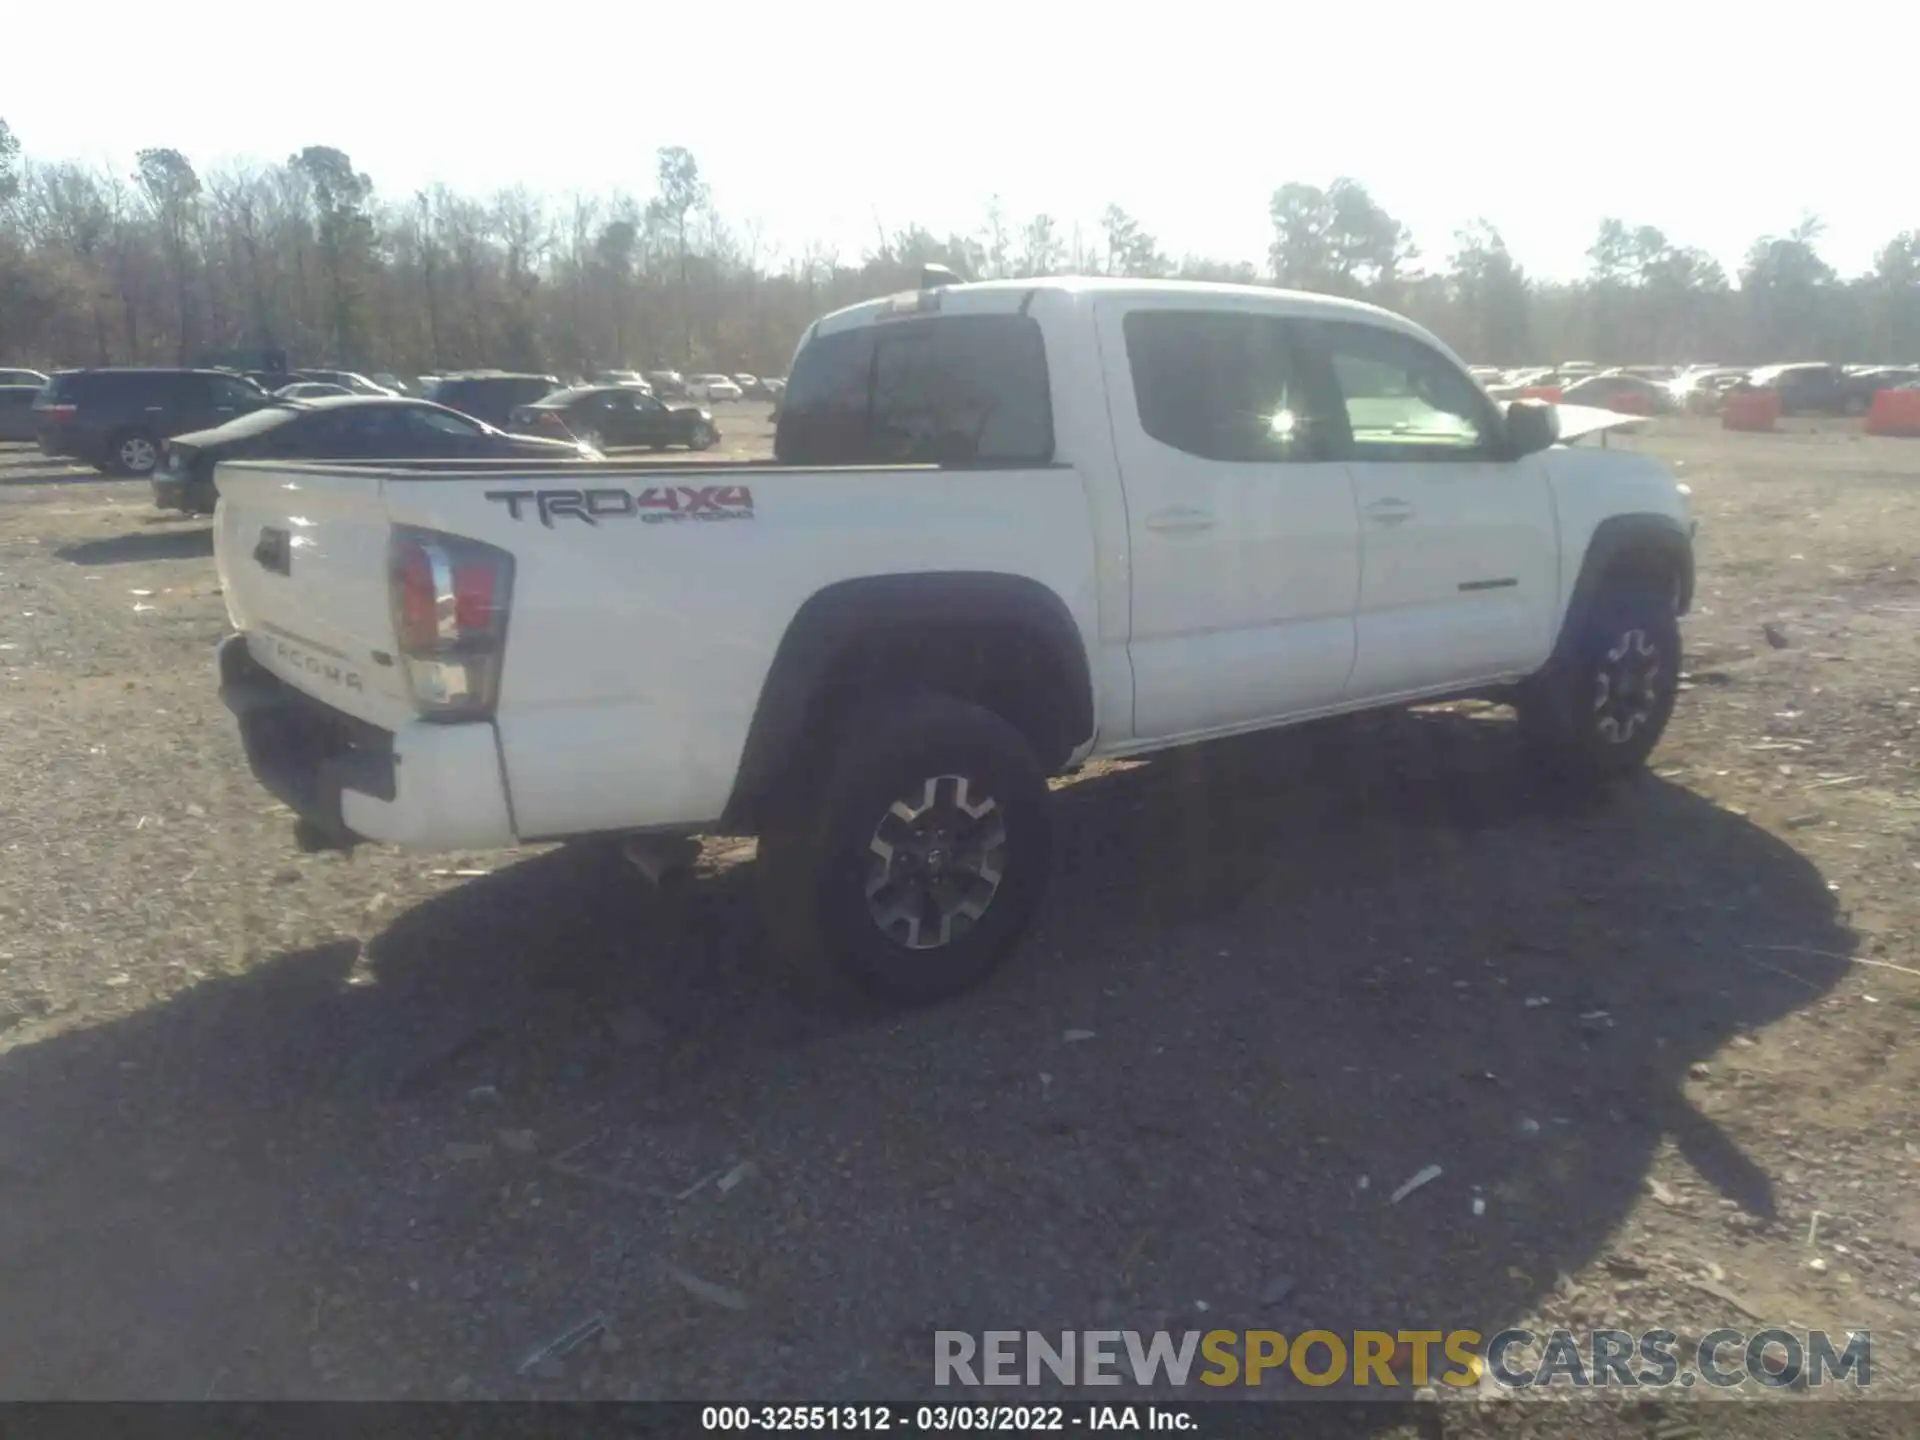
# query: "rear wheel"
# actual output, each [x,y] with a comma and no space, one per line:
[1598,711]
[134,452]
[703,436]
[909,872]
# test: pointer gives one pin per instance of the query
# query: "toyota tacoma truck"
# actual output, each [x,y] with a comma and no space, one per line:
[1008,526]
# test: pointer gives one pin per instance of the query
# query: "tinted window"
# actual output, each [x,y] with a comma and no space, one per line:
[953,390]
[437,422]
[100,385]
[233,392]
[353,431]
[1404,399]
[1219,384]
[180,389]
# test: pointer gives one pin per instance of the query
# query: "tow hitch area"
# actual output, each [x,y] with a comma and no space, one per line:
[661,858]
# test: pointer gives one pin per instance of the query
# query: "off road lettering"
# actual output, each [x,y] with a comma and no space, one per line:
[609,502]
[655,504]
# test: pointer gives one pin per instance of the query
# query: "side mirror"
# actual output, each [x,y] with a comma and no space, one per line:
[1531,427]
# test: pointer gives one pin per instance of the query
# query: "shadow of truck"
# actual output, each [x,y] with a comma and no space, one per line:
[1297,960]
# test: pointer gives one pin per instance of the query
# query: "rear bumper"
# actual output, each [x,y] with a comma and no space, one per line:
[426,787]
[58,441]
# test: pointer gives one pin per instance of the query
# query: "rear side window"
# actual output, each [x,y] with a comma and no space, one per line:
[951,390]
[1220,384]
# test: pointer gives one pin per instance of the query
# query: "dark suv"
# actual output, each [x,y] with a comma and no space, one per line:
[492,398]
[1815,389]
[115,420]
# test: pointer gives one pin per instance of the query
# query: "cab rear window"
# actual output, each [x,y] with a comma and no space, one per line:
[945,390]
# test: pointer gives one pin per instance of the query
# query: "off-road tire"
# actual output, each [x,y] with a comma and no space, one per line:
[1580,719]
[817,857]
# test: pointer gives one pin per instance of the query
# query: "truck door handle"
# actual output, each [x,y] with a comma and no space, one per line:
[1389,511]
[1180,518]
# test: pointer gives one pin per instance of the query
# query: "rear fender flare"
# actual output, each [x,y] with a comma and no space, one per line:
[836,620]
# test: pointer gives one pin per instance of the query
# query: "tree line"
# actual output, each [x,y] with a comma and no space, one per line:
[166,263]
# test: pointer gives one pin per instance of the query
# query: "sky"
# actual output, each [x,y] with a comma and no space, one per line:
[826,120]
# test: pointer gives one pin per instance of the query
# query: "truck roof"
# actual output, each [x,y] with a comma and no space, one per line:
[1008,296]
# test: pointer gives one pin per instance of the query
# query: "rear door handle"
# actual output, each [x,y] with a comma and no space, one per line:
[1180,518]
[1389,511]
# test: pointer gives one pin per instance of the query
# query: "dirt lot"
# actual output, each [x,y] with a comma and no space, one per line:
[278,1125]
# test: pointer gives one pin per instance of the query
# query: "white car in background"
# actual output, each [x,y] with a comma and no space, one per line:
[714,387]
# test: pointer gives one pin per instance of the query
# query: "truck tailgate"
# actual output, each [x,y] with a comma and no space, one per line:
[302,557]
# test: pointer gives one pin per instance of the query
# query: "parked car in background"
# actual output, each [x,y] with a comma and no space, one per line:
[343,427]
[346,379]
[115,419]
[309,390]
[391,383]
[492,395]
[1629,394]
[1702,389]
[17,420]
[1886,377]
[1811,388]
[1517,381]
[632,379]
[714,387]
[669,384]
[22,377]
[610,416]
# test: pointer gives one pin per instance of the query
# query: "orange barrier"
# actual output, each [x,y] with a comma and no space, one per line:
[1750,410]
[1548,393]
[1894,412]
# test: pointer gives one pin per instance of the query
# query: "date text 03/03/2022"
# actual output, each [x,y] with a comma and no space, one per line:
[992,1419]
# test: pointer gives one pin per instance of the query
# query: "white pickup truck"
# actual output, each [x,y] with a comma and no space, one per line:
[1009,526]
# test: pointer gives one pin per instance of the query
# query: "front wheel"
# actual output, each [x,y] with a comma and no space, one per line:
[703,437]
[919,860]
[1854,405]
[1598,710]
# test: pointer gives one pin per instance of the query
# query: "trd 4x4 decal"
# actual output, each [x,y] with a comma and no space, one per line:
[654,505]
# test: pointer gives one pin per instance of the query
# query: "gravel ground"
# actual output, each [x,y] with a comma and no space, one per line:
[279,1125]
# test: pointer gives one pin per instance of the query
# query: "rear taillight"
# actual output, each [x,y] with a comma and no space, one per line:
[56,412]
[450,597]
